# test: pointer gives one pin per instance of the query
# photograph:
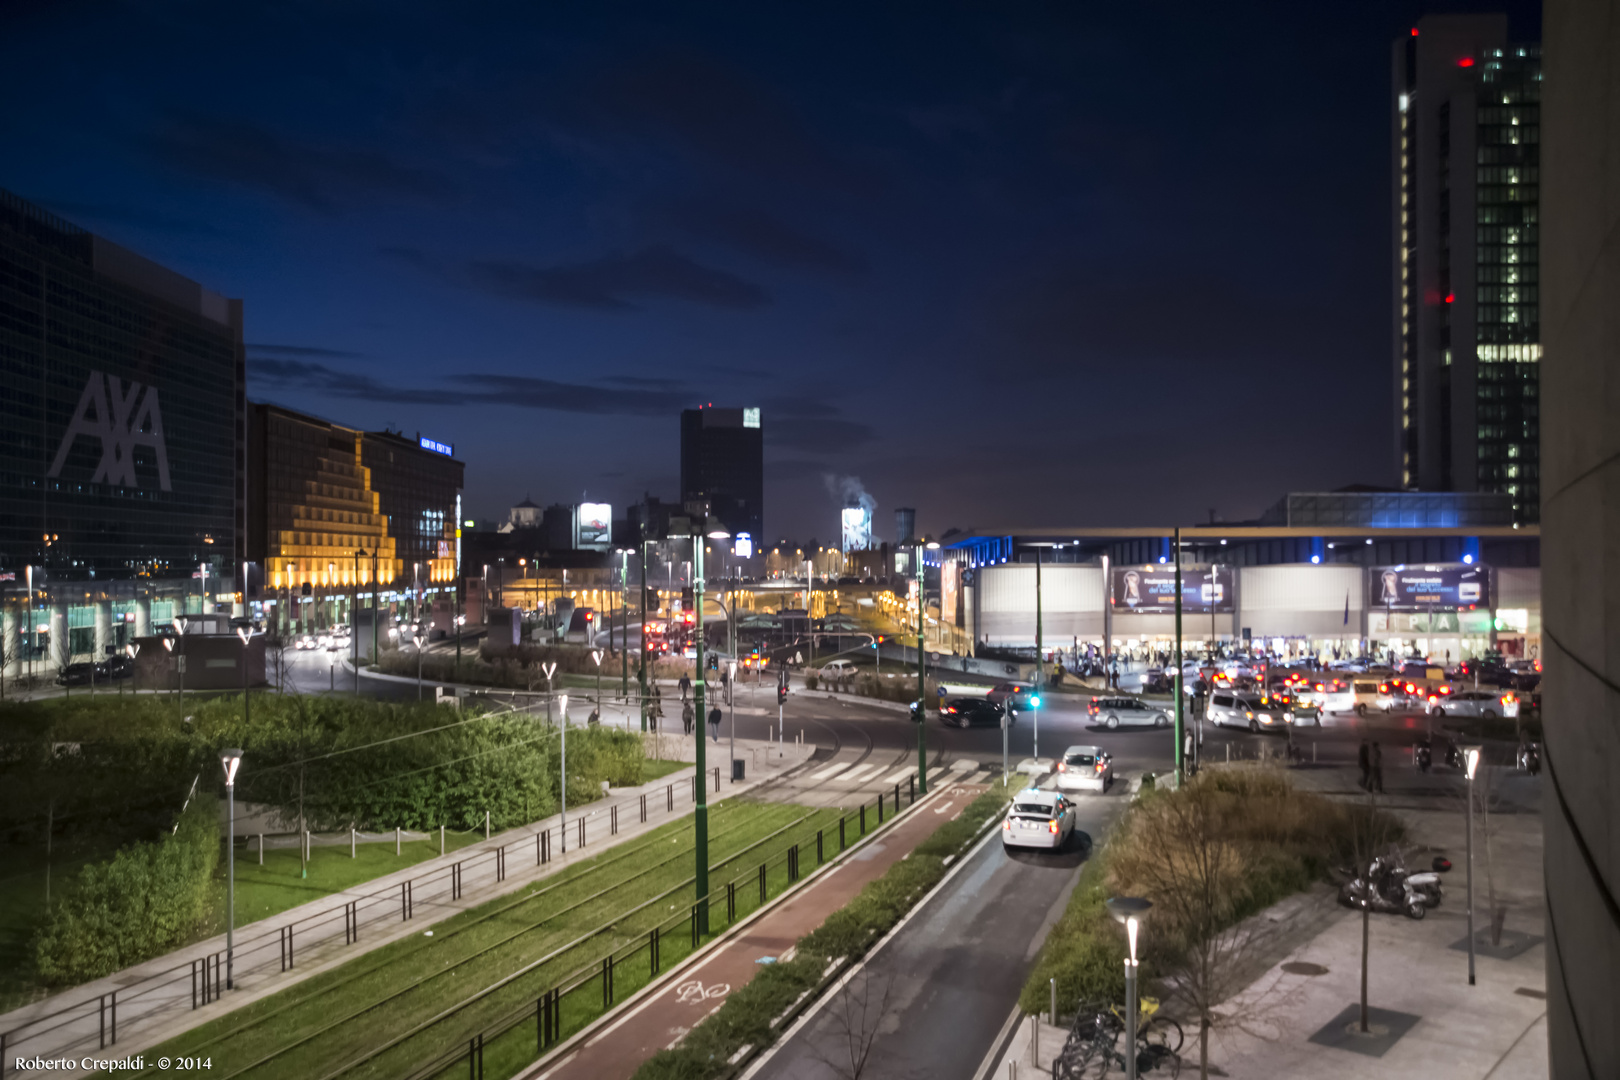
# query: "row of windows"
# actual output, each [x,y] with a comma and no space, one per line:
[1507,174]
[1507,334]
[1513,214]
[1507,152]
[1499,114]
[1527,354]
[1526,432]
[1496,195]
[1507,255]
[1510,314]
[1507,294]
[1507,234]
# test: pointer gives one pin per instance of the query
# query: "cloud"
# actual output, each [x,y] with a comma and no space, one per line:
[764,237]
[303,350]
[319,379]
[317,177]
[817,433]
[610,283]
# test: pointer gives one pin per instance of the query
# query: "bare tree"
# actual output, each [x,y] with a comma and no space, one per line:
[1372,834]
[853,1018]
[277,661]
[1185,858]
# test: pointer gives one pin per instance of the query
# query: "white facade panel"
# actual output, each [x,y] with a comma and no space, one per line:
[1301,587]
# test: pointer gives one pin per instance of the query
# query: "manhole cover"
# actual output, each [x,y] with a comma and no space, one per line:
[1303,967]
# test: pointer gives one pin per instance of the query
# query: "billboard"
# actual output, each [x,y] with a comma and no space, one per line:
[1152,589]
[857,531]
[593,526]
[950,591]
[1419,588]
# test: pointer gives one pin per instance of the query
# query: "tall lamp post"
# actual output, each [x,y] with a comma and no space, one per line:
[705,529]
[641,658]
[354,620]
[563,787]
[922,677]
[180,624]
[596,655]
[1131,911]
[231,760]
[624,624]
[420,639]
[246,634]
[1470,764]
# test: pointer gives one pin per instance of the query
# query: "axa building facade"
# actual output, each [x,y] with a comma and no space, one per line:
[1327,574]
[122,495]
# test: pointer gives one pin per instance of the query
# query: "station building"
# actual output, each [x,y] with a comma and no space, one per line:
[1333,574]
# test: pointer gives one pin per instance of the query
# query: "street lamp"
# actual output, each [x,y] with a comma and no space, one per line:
[1131,911]
[596,655]
[549,668]
[624,625]
[1470,764]
[420,638]
[246,634]
[706,527]
[180,624]
[922,685]
[133,649]
[231,760]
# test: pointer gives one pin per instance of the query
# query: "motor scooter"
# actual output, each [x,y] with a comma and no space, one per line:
[1388,887]
[1424,755]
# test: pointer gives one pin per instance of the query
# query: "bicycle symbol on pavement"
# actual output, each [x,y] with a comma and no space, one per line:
[693,992]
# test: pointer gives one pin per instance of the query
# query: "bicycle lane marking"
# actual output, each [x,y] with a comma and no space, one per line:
[666,1017]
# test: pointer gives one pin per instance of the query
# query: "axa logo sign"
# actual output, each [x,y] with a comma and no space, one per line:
[121,415]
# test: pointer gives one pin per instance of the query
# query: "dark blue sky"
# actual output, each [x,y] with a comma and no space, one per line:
[1032,263]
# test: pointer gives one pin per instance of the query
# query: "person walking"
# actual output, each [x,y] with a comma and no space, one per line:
[1377,768]
[714,722]
[1364,758]
[685,685]
[686,717]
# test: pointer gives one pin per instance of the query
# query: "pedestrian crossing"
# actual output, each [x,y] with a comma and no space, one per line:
[887,774]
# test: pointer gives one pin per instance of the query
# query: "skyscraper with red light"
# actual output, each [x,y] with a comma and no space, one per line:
[1464,197]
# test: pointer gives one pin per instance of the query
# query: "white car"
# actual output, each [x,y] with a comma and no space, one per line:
[1251,711]
[838,669]
[1038,819]
[1484,703]
[306,641]
[1084,768]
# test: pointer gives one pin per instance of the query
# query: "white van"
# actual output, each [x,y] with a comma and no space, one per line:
[1359,695]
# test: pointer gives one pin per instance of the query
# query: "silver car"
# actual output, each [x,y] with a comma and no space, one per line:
[1111,712]
[1084,768]
[1038,819]
[1483,703]
[1252,711]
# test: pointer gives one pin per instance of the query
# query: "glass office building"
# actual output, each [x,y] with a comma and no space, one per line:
[723,464]
[121,437]
[1465,219]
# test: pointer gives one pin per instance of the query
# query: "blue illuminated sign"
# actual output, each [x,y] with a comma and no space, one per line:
[437,447]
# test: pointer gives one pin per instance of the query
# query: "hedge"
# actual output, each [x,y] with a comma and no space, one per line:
[747,1015]
[147,899]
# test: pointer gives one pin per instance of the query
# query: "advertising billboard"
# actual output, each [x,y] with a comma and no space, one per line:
[857,528]
[950,591]
[593,526]
[1420,588]
[1152,589]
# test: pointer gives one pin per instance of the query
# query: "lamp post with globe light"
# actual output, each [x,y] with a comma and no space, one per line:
[232,761]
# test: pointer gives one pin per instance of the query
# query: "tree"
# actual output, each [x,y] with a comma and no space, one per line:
[1196,875]
[853,1019]
[276,660]
[1372,834]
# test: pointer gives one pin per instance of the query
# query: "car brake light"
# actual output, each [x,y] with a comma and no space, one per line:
[1383,688]
[1099,766]
[1007,824]
[1053,827]
[1062,767]
[1410,688]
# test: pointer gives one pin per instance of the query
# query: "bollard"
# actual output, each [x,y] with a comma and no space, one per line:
[644,809]
[1035,1041]
[1052,986]
[261,849]
[441,839]
[351,846]
[863,819]
[486,824]
[1229,753]
[396,840]
[841,844]
[820,856]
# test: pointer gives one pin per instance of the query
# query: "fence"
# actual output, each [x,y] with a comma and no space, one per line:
[96,1022]
[579,997]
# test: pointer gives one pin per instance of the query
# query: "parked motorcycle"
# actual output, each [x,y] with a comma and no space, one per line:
[1388,887]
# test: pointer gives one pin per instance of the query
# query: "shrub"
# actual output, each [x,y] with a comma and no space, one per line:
[148,898]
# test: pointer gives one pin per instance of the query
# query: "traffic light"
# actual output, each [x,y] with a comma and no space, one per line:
[781,694]
[1034,701]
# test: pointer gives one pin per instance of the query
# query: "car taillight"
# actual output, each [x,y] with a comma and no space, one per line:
[1410,688]
[1099,766]
[1007,824]
[1383,688]
[1319,686]
[1062,767]
[1052,827]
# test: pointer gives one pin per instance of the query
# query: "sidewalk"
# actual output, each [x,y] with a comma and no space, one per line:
[380,911]
[1302,1005]
[664,1017]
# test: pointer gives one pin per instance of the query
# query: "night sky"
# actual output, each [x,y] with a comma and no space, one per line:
[1011,264]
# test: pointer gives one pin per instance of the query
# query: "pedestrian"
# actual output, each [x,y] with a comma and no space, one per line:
[1377,768]
[1364,758]
[686,717]
[685,685]
[714,723]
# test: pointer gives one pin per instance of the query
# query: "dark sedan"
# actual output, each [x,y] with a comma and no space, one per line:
[970,712]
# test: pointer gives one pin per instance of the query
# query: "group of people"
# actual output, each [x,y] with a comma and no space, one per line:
[689,714]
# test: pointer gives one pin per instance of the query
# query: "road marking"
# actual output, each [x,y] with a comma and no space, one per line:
[830,771]
[692,991]
[860,773]
[895,778]
[946,807]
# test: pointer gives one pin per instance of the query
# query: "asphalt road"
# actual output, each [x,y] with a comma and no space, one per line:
[934,999]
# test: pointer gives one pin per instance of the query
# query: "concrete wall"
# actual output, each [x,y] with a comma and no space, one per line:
[1580,470]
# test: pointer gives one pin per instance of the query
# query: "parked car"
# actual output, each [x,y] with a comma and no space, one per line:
[970,712]
[81,674]
[1111,712]
[1084,768]
[1252,711]
[1020,695]
[1038,819]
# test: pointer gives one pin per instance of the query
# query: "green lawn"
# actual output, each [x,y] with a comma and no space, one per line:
[558,925]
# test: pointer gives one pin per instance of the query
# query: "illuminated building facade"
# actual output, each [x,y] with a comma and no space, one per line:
[1465,202]
[335,510]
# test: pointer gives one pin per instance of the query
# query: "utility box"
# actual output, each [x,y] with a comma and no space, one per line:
[737,770]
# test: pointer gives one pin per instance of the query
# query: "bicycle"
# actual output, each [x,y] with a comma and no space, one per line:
[1092,1046]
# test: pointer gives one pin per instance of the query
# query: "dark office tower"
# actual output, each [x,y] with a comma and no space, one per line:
[723,462]
[1466,104]
[121,413]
